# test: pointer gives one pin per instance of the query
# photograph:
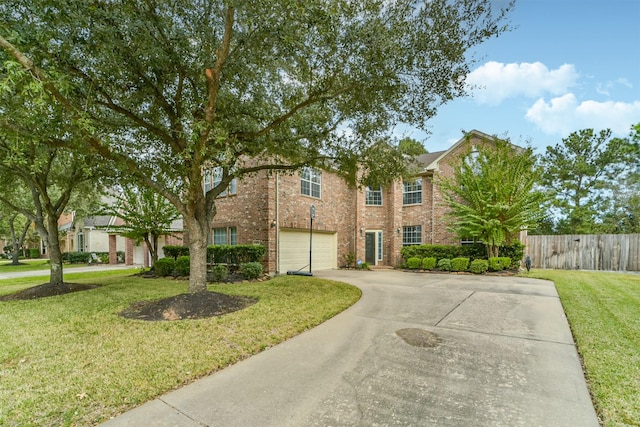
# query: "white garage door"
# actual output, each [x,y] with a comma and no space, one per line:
[294,251]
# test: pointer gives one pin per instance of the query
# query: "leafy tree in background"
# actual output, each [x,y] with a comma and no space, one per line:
[582,173]
[14,226]
[164,89]
[146,216]
[40,177]
[411,147]
[491,195]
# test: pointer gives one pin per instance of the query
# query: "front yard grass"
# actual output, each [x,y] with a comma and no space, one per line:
[31,265]
[72,360]
[603,310]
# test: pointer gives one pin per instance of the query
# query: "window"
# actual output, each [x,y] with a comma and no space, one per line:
[225,236]
[373,197]
[80,242]
[379,245]
[310,182]
[467,241]
[412,192]
[212,177]
[412,235]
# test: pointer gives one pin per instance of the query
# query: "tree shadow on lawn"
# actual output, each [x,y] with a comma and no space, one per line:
[183,306]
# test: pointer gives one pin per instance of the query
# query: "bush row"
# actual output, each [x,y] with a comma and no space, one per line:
[514,251]
[222,254]
[477,266]
[180,267]
[85,257]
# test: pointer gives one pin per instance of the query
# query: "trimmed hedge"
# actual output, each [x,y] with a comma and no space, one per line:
[164,266]
[429,263]
[515,251]
[182,265]
[219,273]
[499,263]
[444,264]
[251,270]
[173,251]
[460,264]
[414,263]
[222,254]
[479,266]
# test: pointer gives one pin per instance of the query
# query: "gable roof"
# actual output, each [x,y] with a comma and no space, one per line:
[431,160]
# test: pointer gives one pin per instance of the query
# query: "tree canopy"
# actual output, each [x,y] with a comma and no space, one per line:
[492,193]
[585,174]
[163,89]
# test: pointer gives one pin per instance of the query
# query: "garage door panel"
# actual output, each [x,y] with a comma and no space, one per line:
[294,251]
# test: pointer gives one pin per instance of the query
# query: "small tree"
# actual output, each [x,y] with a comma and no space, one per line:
[146,216]
[491,195]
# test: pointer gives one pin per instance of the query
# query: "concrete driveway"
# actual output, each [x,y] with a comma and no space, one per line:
[416,350]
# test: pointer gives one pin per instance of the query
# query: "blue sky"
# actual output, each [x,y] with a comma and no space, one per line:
[567,65]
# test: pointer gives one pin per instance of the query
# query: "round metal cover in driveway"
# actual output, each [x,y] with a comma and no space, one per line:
[419,337]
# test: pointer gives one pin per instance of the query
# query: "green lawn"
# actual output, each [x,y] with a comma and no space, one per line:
[603,310]
[71,360]
[30,265]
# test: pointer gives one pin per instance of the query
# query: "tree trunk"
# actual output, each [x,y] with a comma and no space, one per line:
[55,256]
[197,224]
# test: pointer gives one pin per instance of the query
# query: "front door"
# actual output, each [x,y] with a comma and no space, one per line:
[370,248]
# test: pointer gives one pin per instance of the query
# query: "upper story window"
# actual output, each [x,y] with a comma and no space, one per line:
[310,182]
[412,235]
[212,177]
[373,197]
[412,192]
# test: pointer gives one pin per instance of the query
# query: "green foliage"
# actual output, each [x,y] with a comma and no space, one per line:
[515,251]
[350,260]
[175,251]
[505,262]
[479,266]
[182,266]
[459,264]
[491,195]
[411,147]
[164,267]
[364,266]
[414,263]
[251,270]
[219,273]
[429,263]
[477,250]
[243,86]
[495,264]
[444,264]
[77,257]
[34,253]
[235,254]
[583,175]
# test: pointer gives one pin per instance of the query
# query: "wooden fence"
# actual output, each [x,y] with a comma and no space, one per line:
[617,252]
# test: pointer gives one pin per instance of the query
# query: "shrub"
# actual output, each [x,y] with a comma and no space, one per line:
[444,264]
[164,266]
[235,254]
[251,270]
[34,253]
[515,251]
[219,273]
[495,264]
[182,265]
[460,264]
[479,266]
[505,262]
[429,263]
[77,257]
[172,251]
[364,266]
[414,263]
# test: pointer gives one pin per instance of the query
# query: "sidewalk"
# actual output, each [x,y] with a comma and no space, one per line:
[416,350]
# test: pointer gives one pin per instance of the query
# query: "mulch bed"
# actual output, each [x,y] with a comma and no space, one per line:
[46,290]
[187,306]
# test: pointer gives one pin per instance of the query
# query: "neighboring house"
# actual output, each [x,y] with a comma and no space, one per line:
[370,224]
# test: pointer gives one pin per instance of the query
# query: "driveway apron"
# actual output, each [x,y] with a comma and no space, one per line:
[418,349]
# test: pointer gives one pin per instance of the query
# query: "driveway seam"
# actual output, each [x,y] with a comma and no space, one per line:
[454,308]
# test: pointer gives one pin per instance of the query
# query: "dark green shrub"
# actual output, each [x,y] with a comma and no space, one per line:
[505,262]
[174,252]
[251,270]
[34,253]
[515,251]
[460,264]
[77,257]
[182,265]
[479,266]
[164,267]
[429,263]
[495,264]
[235,254]
[444,264]
[414,263]
[364,266]
[219,273]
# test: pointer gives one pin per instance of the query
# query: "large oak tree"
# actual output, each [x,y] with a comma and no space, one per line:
[162,89]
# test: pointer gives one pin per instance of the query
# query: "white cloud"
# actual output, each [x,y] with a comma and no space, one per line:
[604,88]
[494,82]
[564,115]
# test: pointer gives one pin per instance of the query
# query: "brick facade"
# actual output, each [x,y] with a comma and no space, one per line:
[267,203]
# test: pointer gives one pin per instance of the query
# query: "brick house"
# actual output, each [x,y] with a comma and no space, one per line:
[370,224]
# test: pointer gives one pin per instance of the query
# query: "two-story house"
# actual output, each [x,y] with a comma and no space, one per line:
[371,224]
